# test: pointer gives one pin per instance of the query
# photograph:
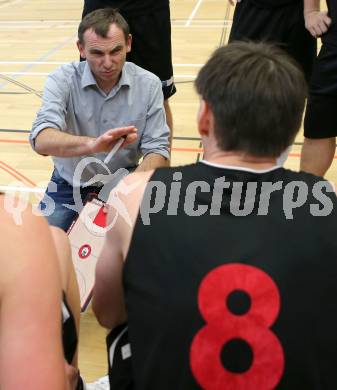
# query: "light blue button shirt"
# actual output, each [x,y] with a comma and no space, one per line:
[73,103]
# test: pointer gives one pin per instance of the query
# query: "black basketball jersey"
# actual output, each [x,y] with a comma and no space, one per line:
[126,7]
[119,359]
[231,281]
[69,333]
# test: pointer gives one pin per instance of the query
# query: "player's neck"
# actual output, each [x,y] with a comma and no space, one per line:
[238,159]
[107,85]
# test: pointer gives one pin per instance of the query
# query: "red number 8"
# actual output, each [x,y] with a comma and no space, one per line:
[222,326]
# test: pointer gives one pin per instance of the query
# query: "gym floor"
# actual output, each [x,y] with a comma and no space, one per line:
[37,36]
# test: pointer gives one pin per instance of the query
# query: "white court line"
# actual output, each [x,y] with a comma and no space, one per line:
[9,4]
[189,20]
[22,189]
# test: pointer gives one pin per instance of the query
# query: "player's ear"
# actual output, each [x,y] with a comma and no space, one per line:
[204,118]
[129,43]
[80,47]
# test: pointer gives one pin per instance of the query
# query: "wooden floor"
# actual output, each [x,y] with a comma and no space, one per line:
[36,36]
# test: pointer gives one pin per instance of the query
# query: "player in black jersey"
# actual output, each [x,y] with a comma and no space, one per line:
[150,26]
[320,122]
[275,21]
[226,269]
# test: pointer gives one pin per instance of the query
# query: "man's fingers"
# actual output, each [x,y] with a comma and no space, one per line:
[318,31]
[315,30]
[130,135]
[129,139]
[323,27]
[120,132]
[326,19]
[312,31]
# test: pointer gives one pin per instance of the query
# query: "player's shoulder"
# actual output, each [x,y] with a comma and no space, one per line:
[22,222]
[140,74]
[66,72]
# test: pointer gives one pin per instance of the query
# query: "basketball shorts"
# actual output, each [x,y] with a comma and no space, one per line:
[320,119]
[151,45]
[283,26]
[119,358]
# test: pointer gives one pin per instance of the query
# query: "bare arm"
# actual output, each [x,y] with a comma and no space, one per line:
[316,22]
[68,277]
[31,355]
[108,298]
[152,161]
[53,142]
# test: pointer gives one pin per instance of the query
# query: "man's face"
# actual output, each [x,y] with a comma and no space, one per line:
[105,56]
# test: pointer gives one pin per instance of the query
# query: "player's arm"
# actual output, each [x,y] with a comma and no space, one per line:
[316,22]
[31,354]
[108,296]
[49,136]
[152,161]
[53,142]
[155,140]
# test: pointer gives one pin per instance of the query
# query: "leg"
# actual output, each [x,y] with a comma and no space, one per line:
[317,155]
[169,119]
[301,45]
[58,194]
[151,49]
[61,216]
[320,130]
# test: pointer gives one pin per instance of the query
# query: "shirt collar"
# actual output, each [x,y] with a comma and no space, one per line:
[89,79]
[125,78]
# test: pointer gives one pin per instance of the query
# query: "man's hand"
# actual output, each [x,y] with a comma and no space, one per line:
[106,141]
[53,142]
[317,22]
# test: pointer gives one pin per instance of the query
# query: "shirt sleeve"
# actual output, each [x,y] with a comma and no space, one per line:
[155,138]
[54,106]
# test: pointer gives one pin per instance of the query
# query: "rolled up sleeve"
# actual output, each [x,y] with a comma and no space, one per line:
[155,138]
[54,107]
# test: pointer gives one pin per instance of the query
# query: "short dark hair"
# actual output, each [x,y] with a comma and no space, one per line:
[256,94]
[100,21]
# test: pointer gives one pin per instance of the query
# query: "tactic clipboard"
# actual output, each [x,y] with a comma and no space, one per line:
[86,236]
